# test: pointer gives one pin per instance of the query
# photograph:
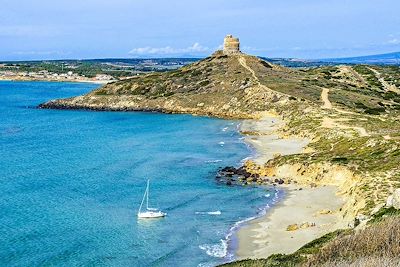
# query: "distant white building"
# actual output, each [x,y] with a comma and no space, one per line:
[104,77]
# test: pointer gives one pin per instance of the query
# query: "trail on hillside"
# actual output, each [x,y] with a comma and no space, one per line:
[354,74]
[325,99]
[328,105]
[242,61]
[386,86]
[327,121]
[331,123]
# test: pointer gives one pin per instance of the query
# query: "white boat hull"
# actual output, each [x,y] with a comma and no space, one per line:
[151,214]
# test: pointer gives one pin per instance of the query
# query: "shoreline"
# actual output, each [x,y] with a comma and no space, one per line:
[233,240]
[267,234]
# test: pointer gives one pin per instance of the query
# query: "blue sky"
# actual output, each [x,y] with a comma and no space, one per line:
[58,29]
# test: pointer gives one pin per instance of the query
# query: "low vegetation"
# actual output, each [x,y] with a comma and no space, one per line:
[376,245]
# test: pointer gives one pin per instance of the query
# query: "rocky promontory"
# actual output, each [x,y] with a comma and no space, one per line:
[348,113]
[220,85]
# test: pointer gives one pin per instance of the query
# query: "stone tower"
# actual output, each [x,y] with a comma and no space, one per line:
[231,45]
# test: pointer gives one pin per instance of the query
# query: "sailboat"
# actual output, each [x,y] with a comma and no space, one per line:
[149,212]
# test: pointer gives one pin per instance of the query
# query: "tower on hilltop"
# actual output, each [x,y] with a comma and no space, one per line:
[231,45]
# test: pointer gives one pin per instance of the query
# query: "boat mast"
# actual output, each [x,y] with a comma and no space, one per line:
[144,196]
[147,202]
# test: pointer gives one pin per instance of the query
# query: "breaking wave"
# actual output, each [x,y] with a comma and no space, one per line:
[217,212]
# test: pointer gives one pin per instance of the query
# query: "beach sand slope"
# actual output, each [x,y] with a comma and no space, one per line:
[314,210]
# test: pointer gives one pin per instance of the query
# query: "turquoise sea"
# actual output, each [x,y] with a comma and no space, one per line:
[71,183]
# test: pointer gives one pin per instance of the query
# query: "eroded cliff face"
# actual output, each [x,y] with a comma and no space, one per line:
[319,174]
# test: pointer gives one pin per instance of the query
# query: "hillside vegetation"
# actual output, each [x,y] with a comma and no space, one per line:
[221,85]
[350,114]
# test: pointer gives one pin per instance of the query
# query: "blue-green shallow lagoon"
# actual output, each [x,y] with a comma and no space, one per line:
[71,183]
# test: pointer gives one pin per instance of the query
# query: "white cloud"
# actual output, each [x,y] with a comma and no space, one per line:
[168,50]
[394,41]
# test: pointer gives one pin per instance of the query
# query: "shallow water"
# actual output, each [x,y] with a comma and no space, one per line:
[71,183]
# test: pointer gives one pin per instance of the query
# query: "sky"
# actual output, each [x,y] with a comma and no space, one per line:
[309,29]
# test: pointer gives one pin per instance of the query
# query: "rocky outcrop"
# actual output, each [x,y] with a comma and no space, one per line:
[238,176]
[241,176]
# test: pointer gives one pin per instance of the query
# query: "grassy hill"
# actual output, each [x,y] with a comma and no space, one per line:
[222,86]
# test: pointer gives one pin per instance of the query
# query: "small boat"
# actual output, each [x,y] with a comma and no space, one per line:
[150,212]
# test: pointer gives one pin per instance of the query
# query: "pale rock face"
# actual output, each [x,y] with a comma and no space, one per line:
[231,45]
[394,199]
[389,201]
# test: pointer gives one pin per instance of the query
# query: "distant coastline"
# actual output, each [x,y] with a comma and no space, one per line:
[27,79]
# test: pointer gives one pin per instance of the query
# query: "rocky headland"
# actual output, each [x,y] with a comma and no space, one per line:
[341,124]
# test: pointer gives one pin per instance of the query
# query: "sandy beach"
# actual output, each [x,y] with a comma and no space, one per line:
[313,210]
[268,143]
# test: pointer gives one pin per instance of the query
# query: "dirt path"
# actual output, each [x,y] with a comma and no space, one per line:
[357,78]
[331,123]
[243,62]
[327,122]
[325,99]
[387,86]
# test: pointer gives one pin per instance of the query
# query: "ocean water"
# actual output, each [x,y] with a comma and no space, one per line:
[71,183]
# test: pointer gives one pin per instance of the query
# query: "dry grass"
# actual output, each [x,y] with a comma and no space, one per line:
[377,245]
[365,262]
